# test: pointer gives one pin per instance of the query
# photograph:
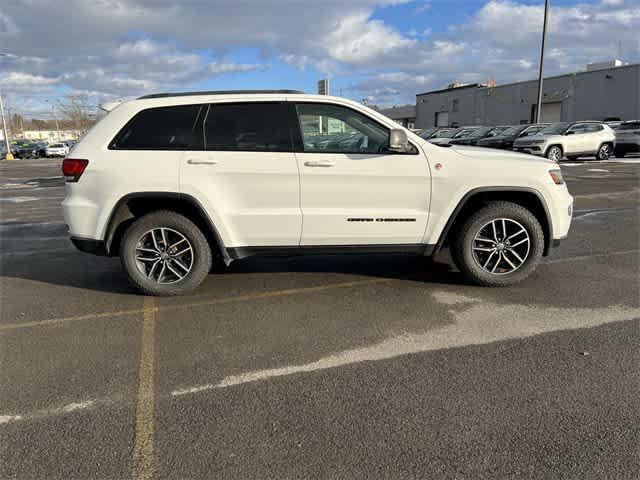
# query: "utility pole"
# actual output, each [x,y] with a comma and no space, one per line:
[541,75]
[53,112]
[9,156]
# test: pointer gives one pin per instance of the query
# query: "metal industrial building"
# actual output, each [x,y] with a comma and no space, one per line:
[405,115]
[596,94]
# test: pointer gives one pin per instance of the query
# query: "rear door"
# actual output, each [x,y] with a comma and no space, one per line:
[247,176]
[353,190]
[593,137]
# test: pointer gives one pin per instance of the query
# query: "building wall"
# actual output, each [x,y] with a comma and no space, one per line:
[583,96]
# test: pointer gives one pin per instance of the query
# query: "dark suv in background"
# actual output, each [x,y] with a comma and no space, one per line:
[505,139]
[474,137]
[627,138]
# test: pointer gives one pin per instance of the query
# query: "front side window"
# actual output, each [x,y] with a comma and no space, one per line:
[253,127]
[578,129]
[336,129]
[164,128]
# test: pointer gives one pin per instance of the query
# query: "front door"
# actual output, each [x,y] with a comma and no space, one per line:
[247,176]
[353,190]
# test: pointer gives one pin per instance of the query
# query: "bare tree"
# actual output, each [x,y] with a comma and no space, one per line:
[75,112]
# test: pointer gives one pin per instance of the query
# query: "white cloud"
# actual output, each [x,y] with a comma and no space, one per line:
[224,67]
[183,43]
[357,40]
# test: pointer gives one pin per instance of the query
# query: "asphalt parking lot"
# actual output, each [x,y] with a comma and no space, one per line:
[332,367]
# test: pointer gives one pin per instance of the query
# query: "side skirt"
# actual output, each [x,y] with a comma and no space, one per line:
[238,253]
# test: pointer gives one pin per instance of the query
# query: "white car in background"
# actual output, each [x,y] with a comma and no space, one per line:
[570,140]
[57,150]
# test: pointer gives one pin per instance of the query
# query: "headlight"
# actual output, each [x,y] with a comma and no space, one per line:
[536,142]
[556,176]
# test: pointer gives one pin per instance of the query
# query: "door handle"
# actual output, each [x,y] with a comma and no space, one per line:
[191,161]
[320,163]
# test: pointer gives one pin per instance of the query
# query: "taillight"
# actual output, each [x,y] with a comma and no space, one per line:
[73,168]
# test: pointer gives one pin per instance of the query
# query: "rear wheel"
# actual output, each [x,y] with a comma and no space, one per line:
[604,152]
[554,153]
[165,253]
[499,245]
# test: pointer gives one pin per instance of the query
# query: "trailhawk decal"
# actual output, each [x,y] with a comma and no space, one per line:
[381,220]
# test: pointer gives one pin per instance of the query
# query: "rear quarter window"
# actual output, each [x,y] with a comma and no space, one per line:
[163,128]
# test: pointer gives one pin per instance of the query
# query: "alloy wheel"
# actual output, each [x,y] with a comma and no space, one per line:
[164,255]
[604,152]
[501,246]
[555,154]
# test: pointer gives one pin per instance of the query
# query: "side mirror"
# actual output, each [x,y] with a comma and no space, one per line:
[570,133]
[398,141]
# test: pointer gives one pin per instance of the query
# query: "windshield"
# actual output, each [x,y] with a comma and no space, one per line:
[555,128]
[57,145]
[481,132]
[494,132]
[628,126]
[425,134]
[532,130]
[445,133]
[466,132]
[512,131]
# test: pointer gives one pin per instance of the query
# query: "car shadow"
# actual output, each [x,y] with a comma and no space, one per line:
[86,272]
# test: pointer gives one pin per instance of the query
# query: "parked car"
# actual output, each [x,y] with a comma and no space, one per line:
[57,150]
[456,134]
[505,139]
[571,140]
[186,178]
[479,134]
[627,138]
[24,149]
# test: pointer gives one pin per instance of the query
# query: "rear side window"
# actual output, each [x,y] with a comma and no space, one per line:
[164,128]
[252,127]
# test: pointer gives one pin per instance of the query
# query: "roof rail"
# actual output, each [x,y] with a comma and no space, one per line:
[215,92]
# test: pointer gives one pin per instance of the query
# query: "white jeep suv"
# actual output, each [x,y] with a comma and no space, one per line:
[172,182]
[571,140]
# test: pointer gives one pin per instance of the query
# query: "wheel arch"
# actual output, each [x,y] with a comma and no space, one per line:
[134,205]
[527,197]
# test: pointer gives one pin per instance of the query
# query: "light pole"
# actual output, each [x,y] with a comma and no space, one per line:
[541,75]
[9,155]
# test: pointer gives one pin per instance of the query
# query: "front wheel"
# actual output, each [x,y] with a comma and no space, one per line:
[554,153]
[164,253]
[499,245]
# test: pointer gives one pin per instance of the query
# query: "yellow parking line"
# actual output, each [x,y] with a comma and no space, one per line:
[180,306]
[142,467]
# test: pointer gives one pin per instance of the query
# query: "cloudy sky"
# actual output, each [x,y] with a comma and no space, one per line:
[382,50]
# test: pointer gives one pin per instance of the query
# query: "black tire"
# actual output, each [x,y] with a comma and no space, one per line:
[554,153]
[201,253]
[467,262]
[604,152]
